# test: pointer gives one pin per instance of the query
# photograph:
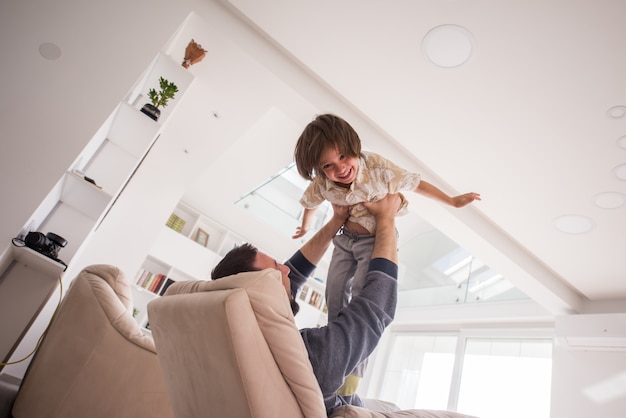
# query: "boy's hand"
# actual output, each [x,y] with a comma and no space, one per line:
[300,232]
[340,214]
[464,199]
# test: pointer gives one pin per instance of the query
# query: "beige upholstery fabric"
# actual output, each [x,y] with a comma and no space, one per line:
[94,362]
[230,348]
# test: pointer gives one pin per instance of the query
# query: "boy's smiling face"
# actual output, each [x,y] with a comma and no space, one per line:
[338,168]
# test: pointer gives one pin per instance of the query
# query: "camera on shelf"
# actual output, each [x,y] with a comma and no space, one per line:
[48,245]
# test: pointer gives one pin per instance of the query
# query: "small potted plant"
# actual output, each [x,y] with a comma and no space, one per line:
[159,98]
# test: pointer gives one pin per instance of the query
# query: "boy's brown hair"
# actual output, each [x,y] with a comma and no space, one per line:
[324,131]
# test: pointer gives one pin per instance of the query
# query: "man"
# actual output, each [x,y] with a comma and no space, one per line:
[337,348]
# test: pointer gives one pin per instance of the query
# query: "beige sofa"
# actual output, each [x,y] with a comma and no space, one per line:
[94,361]
[230,348]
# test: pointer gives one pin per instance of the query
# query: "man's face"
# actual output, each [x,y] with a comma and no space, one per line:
[264,261]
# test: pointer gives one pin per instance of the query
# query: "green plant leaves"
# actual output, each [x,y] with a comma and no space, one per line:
[167,91]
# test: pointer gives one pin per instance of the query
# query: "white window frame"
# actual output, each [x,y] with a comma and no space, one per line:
[371,386]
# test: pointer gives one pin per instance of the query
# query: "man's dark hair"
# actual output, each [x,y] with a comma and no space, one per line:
[239,260]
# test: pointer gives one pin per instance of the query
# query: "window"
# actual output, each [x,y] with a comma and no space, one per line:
[506,377]
[490,376]
[419,371]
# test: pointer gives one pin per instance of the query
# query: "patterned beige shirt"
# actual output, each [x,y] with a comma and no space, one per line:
[376,177]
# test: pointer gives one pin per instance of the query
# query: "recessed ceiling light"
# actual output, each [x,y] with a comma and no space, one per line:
[448,46]
[621,142]
[573,224]
[609,200]
[617,112]
[50,51]
[620,171]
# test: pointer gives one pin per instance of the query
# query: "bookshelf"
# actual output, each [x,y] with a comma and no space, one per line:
[312,301]
[176,255]
[81,199]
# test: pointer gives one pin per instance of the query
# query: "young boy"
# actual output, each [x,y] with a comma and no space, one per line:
[328,153]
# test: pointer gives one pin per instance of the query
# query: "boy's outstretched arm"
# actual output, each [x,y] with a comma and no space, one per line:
[428,190]
[307,218]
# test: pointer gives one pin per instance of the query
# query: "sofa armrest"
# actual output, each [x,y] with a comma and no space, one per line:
[113,293]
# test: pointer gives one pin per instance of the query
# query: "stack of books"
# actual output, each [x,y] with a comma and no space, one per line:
[154,282]
[176,222]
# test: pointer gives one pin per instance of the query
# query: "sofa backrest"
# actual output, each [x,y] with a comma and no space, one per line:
[230,347]
[94,360]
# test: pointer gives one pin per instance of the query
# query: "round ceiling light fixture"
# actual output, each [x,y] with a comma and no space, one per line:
[621,142]
[609,200]
[448,46]
[620,171]
[616,112]
[573,224]
[50,51]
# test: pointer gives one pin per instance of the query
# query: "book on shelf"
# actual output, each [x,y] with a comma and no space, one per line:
[158,281]
[176,222]
[153,282]
[316,300]
[141,277]
[304,292]
[147,284]
[168,283]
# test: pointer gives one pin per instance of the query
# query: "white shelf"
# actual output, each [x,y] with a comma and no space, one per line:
[84,196]
[132,130]
[38,262]
[141,298]
[111,167]
[181,253]
[163,66]
[179,257]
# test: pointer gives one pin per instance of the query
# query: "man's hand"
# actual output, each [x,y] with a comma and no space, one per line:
[340,213]
[387,207]
[385,210]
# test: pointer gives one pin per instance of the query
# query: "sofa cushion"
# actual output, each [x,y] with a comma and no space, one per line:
[276,322]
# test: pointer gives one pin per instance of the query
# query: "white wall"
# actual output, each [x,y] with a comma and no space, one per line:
[49,110]
[589,366]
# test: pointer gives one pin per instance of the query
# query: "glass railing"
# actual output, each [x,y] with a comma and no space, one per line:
[277,202]
[434,270]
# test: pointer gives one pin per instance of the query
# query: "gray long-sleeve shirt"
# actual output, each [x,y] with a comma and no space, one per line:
[337,348]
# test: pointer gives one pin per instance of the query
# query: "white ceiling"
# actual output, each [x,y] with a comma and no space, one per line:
[524,122]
